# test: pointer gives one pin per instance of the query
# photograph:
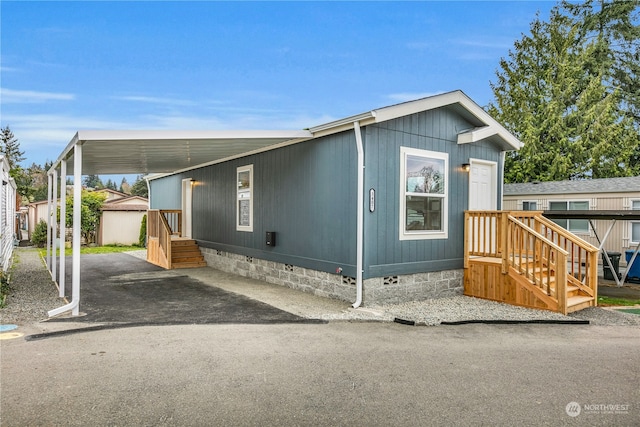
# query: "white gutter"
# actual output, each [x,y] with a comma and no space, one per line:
[360,214]
[77,206]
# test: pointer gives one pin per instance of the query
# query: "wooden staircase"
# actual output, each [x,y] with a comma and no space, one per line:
[522,258]
[165,246]
[185,253]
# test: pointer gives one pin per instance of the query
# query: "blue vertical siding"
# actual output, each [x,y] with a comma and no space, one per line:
[306,193]
[435,130]
[166,193]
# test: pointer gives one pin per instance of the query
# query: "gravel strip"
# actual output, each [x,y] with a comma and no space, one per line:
[463,308]
[607,316]
[33,293]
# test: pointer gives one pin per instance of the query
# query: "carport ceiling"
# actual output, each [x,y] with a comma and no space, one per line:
[138,151]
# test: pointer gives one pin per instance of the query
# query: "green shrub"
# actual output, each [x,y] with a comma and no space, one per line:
[142,239]
[39,235]
[4,288]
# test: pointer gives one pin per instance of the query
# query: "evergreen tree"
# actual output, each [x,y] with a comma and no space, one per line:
[11,148]
[552,93]
[615,22]
[93,181]
[124,186]
[139,188]
[111,185]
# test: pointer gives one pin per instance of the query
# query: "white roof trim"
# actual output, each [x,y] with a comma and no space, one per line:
[339,123]
[475,135]
[425,104]
[165,151]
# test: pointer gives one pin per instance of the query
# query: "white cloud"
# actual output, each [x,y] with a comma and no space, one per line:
[154,100]
[178,121]
[484,43]
[10,96]
[45,136]
[6,69]
[411,96]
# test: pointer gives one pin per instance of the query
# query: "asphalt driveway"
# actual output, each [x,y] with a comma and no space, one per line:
[122,289]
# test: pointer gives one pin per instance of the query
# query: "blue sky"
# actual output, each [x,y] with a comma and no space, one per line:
[76,65]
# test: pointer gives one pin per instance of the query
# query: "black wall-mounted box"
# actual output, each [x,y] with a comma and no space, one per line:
[271,238]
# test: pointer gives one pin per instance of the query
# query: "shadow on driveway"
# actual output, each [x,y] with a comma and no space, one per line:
[122,289]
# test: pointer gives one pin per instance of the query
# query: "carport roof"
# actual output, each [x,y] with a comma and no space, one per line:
[163,151]
[170,151]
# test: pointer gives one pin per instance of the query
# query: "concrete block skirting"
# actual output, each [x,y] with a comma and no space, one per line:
[378,290]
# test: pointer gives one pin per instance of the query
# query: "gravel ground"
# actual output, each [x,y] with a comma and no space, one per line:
[33,293]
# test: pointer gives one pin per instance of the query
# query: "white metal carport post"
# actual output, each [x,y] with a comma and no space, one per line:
[54,223]
[49,191]
[74,305]
[63,221]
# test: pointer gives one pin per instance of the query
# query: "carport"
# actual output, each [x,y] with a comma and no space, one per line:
[608,215]
[94,152]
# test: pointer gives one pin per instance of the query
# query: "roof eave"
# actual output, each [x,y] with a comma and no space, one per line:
[507,141]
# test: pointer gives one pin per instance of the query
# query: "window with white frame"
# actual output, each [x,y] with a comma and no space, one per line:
[529,205]
[423,194]
[244,199]
[573,225]
[635,225]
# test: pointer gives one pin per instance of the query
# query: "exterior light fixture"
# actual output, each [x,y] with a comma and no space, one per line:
[466,167]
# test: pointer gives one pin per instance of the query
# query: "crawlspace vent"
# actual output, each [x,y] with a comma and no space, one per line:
[348,280]
[390,280]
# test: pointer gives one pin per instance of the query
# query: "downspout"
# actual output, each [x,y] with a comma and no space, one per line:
[502,159]
[360,214]
[77,206]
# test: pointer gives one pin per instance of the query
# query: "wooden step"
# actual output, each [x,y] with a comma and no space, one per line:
[183,242]
[576,303]
[572,291]
[187,257]
[194,264]
[185,253]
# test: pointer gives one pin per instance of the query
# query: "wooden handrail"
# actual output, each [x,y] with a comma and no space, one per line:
[536,234]
[164,239]
[582,259]
[530,245]
[159,230]
[174,220]
[537,258]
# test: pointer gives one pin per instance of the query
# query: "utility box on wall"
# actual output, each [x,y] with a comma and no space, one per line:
[271,238]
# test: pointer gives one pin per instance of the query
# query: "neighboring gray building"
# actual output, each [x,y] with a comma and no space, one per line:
[617,194]
[373,202]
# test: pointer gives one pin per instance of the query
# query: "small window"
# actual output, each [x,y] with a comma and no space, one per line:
[244,199]
[423,194]
[635,225]
[529,205]
[573,225]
